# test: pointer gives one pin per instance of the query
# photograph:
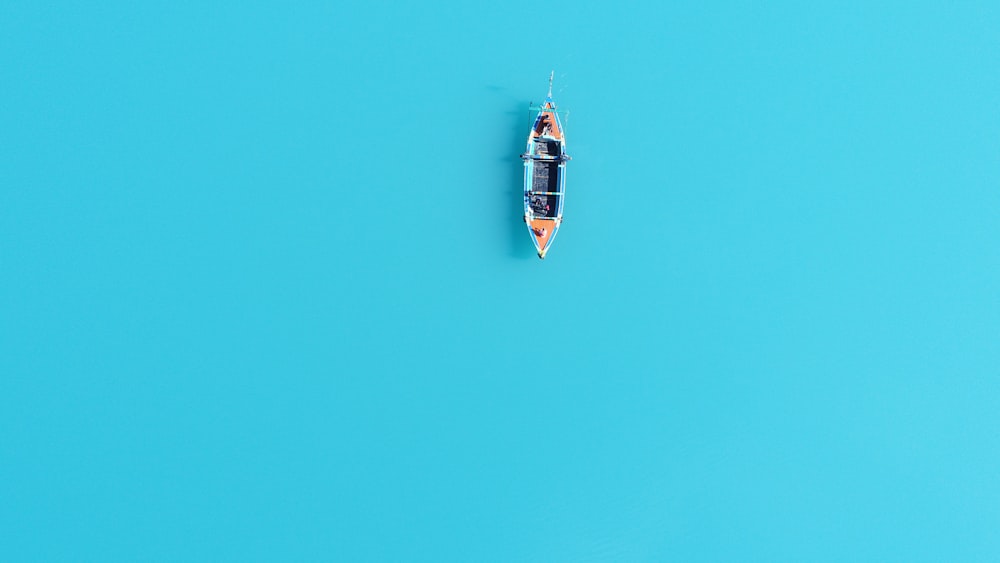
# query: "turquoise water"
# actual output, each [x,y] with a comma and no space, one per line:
[266,293]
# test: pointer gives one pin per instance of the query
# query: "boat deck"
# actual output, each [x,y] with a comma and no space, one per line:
[548,226]
[545,176]
[547,148]
[547,124]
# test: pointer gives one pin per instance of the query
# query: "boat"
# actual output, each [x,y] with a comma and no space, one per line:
[545,174]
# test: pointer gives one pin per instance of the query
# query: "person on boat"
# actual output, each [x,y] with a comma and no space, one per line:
[539,231]
[539,206]
[544,126]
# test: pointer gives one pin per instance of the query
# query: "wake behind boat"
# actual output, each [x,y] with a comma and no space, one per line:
[545,175]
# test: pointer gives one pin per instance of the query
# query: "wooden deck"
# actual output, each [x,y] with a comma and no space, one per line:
[554,130]
[550,227]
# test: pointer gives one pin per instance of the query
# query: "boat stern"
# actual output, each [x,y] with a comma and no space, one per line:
[542,232]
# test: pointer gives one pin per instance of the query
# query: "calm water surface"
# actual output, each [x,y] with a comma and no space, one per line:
[266,293]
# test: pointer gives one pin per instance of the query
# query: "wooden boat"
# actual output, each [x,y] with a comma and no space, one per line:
[545,175]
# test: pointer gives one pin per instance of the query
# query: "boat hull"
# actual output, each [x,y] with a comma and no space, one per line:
[545,176]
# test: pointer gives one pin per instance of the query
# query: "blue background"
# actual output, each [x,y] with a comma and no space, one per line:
[265,293]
